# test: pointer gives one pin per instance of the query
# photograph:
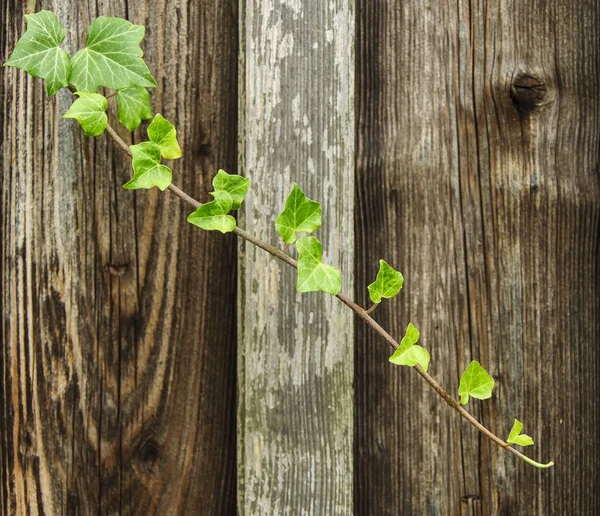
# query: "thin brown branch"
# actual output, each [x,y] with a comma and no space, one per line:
[117,139]
[361,312]
[373,306]
[183,196]
[275,251]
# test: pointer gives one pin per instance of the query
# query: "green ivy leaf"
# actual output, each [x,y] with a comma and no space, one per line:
[476,382]
[301,215]
[147,170]
[234,185]
[409,354]
[134,106]
[213,214]
[516,437]
[387,284]
[112,57]
[90,111]
[162,132]
[312,274]
[38,51]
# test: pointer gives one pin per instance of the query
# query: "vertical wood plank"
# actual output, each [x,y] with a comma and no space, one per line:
[117,368]
[478,141]
[295,416]
[407,447]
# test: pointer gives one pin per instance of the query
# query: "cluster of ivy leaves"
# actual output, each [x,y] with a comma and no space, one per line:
[112,58]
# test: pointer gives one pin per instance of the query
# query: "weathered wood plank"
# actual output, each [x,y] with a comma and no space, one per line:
[478,141]
[295,417]
[117,368]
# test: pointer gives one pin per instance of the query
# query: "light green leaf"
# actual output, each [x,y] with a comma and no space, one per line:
[236,186]
[516,437]
[134,106]
[213,214]
[162,132]
[301,215]
[388,283]
[38,51]
[112,57]
[409,354]
[476,382]
[312,274]
[147,170]
[90,111]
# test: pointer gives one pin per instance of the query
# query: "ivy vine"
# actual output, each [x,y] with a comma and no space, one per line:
[112,59]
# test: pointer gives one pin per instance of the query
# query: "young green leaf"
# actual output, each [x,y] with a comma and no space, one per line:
[112,57]
[387,284]
[38,51]
[147,170]
[236,186]
[301,215]
[516,437]
[162,132]
[90,111]
[213,214]
[409,354]
[133,106]
[312,274]
[476,382]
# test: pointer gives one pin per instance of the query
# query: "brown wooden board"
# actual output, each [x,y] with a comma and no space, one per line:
[117,370]
[477,176]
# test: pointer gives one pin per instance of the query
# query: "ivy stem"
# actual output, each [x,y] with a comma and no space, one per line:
[373,306]
[183,196]
[358,310]
[117,139]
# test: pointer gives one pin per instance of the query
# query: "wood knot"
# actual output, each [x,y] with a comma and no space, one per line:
[149,452]
[116,269]
[203,150]
[146,457]
[528,92]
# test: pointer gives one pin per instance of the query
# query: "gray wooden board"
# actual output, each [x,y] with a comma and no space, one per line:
[477,176]
[295,416]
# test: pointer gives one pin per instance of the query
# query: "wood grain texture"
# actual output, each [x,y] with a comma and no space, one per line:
[295,416]
[117,368]
[477,176]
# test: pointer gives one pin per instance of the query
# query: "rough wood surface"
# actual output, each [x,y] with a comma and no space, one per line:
[117,369]
[477,176]
[478,138]
[295,417]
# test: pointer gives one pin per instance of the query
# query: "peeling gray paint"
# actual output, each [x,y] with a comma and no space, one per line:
[295,417]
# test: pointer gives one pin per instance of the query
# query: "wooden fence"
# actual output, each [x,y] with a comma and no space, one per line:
[459,141]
